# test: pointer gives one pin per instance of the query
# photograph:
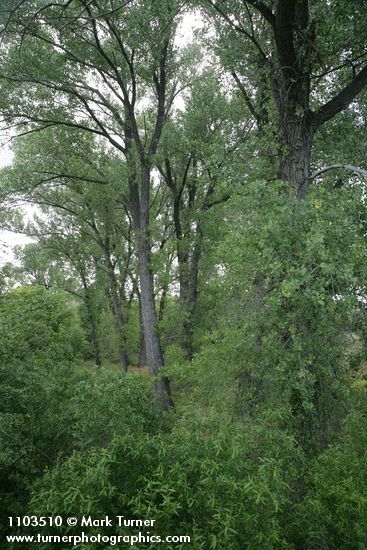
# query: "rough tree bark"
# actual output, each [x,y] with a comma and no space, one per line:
[149,314]
[289,72]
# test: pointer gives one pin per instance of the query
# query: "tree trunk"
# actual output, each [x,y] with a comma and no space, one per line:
[116,308]
[142,351]
[188,293]
[162,303]
[149,314]
[295,160]
[187,271]
[183,259]
[152,340]
[164,288]
[92,325]
[192,295]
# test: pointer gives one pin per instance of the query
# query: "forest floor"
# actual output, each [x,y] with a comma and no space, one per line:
[115,367]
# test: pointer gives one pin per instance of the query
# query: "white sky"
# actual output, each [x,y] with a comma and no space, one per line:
[5,156]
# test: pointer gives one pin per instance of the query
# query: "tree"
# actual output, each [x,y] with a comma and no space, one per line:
[196,150]
[86,220]
[88,65]
[61,262]
[289,42]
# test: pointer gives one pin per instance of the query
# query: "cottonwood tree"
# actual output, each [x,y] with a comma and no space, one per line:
[297,69]
[198,146]
[62,261]
[297,56]
[90,66]
[84,208]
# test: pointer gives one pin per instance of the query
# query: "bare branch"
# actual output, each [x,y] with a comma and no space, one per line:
[246,97]
[349,167]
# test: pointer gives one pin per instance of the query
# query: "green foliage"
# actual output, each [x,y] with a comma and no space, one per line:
[334,512]
[147,158]
[292,274]
[49,407]
[221,482]
[40,337]
[37,324]
[204,479]
[110,404]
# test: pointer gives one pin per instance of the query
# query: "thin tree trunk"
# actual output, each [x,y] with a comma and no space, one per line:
[142,351]
[165,285]
[183,259]
[92,324]
[192,295]
[116,308]
[162,303]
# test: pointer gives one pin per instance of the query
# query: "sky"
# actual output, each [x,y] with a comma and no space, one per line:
[9,239]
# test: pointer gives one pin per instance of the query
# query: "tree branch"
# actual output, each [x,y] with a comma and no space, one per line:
[247,99]
[342,100]
[238,28]
[161,84]
[87,179]
[264,10]
[349,167]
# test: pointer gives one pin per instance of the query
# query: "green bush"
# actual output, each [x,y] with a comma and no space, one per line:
[39,339]
[219,482]
[333,514]
[38,323]
[292,272]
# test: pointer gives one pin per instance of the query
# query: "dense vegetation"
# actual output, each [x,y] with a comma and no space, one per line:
[185,338]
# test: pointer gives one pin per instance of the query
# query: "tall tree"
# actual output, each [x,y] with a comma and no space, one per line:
[62,262]
[197,147]
[83,209]
[88,66]
[313,69]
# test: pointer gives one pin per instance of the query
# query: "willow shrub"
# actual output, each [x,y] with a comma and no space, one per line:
[39,335]
[227,485]
[213,480]
[50,407]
